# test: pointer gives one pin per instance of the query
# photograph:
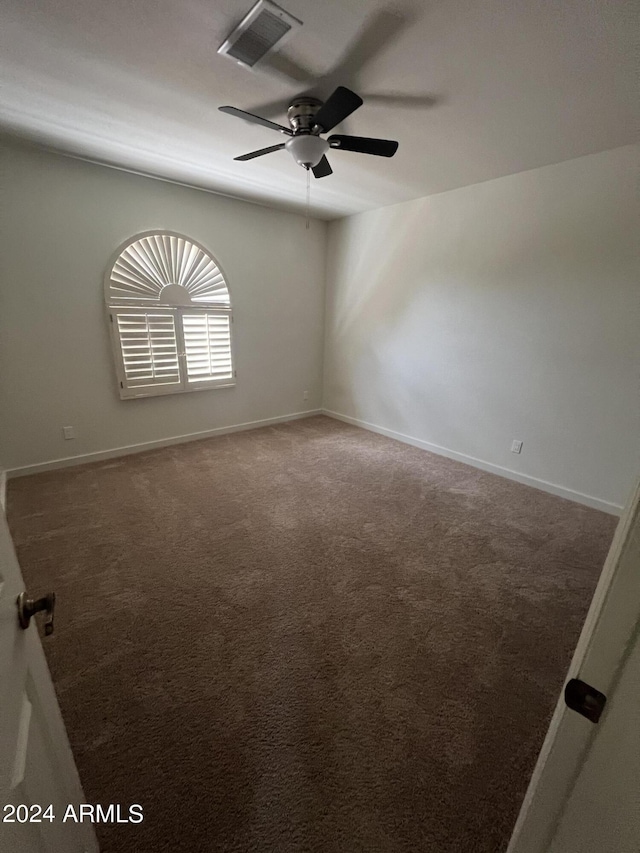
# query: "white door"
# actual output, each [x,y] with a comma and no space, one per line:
[584,796]
[36,765]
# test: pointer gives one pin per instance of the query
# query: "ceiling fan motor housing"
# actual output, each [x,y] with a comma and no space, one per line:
[301,113]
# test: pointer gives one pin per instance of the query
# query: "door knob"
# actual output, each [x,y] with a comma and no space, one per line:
[28,607]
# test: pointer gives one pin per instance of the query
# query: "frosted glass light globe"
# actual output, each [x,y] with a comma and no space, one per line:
[307,149]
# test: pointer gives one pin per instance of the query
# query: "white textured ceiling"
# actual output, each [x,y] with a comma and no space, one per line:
[489,88]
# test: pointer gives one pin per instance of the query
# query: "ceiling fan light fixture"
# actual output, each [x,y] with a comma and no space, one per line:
[307,149]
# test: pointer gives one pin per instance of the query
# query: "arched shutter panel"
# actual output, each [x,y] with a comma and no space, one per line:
[150,264]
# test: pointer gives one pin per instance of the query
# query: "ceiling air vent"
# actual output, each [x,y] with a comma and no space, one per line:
[265,26]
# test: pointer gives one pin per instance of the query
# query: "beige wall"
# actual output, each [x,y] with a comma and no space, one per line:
[505,310]
[62,219]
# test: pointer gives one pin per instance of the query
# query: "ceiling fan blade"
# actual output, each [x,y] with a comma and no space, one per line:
[259,153]
[234,111]
[364,145]
[340,105]
[322,169]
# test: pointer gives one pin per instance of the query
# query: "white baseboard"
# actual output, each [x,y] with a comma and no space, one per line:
[553,488]
[97,456]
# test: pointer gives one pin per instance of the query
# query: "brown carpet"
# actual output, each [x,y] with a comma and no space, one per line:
[306,638]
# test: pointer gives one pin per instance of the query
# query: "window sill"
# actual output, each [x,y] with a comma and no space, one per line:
[155,391]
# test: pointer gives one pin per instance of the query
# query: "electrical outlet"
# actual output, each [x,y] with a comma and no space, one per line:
[305,395]
[69,432]
[516,446]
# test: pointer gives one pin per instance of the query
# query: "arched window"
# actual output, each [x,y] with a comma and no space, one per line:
[170,317]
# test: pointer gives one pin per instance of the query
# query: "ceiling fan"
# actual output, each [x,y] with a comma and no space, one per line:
[309,118]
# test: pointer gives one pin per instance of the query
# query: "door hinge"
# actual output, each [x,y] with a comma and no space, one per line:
[122,384]
[584,699]
[111,317]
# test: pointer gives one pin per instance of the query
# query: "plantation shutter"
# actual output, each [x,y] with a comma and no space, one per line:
[207,344]
[148,350]
[170,316]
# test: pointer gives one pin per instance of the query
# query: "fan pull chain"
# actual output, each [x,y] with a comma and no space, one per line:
[308,196]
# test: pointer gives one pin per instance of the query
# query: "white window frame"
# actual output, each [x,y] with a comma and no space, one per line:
[156,307]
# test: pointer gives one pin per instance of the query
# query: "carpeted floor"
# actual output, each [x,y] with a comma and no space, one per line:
[306,638]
